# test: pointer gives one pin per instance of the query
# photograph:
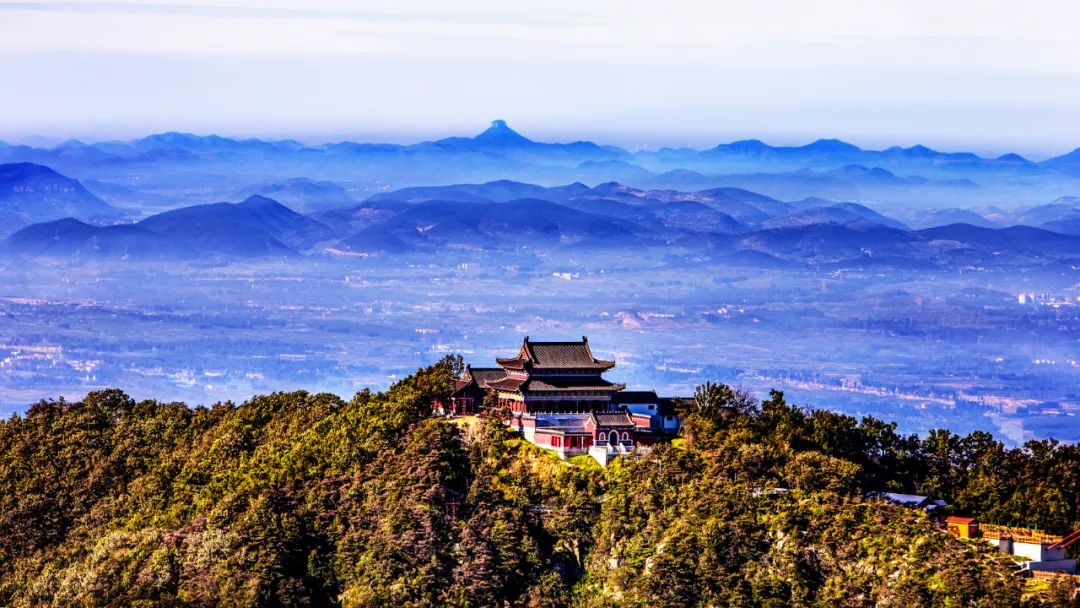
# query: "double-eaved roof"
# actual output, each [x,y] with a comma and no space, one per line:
[539,357]
[547,369]
[498,378]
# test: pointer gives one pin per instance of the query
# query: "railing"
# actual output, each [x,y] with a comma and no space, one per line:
[617,446]
[1050,575]
[1069,539]
[1018,535]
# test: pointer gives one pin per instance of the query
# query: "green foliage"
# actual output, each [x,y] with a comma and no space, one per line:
[294,499]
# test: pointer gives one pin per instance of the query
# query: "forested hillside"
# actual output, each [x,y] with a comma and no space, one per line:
[294,499]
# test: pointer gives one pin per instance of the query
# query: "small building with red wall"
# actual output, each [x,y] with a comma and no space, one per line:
[573,434]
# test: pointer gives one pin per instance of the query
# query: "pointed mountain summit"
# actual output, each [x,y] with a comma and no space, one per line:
[499,140]
[499,133]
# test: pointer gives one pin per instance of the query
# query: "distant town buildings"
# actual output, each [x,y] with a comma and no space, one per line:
[558,399]
[1046,299]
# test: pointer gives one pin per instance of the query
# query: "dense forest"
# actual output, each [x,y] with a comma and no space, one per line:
[298,499]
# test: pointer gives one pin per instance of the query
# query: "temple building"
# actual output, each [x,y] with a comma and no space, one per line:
[470,389]
[559,400]
[542,377]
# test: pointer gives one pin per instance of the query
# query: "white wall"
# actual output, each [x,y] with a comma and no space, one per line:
[1037,552]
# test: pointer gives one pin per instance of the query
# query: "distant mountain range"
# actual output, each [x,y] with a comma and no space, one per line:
[257,227]
[833,152]
[499,191]
[812,219]
[502,141]
[71,238]
[727,221]
[944,217]
[186,167]
[304,195]
[1064,211]
[470,225]
[511,216]
[841,214]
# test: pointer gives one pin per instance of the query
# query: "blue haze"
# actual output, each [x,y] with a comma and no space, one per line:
[928,287]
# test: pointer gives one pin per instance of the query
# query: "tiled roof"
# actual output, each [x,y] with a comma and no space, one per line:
[564,354]
[613,419]
[954,519]
[481,376]
[487,375]
[911,500]
[570,384]
[511,362]
[569,423]
[903,499]
[507,384]
[556,355]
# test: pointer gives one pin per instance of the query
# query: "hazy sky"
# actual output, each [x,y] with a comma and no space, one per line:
[989,75]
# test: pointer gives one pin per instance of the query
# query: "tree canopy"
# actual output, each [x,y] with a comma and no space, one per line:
[299,499]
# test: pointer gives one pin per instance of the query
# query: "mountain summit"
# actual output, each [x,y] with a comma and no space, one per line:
[36,193]
[500,133]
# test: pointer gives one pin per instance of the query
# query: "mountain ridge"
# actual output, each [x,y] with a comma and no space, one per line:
[501,135]
[511,216]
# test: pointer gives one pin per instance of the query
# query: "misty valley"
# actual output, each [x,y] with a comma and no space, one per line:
[935,289]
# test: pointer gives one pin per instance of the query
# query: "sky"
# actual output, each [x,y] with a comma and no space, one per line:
[983,75]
